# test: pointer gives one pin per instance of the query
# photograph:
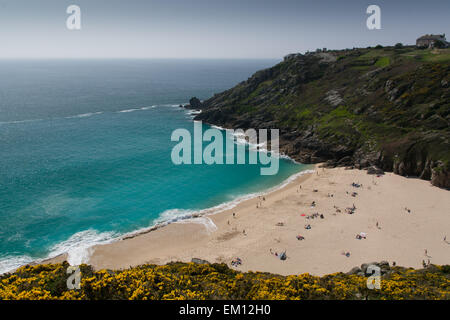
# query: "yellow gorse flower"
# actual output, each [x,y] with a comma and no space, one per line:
[179,281]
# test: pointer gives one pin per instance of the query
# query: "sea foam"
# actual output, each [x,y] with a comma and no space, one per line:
[78,246]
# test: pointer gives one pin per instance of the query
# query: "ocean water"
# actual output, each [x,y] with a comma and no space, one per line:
[85,151]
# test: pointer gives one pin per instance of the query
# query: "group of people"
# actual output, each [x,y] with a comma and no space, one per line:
[350,210]
[315,215]
[236,262]
[281,256]
[260,201]
[361,235]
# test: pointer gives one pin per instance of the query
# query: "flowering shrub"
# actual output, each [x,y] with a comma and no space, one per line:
[217,281]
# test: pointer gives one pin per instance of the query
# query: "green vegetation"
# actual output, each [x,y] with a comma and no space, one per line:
[383,62]
[385,106]
[193,281]
[436,56]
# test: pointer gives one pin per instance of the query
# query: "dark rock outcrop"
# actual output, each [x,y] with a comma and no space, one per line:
[199,261]
[374,170]
[194,103]
[362,270]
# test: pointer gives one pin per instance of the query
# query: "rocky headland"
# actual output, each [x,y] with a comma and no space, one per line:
[387,109]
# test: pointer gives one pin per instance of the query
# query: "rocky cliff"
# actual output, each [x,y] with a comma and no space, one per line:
[386,107]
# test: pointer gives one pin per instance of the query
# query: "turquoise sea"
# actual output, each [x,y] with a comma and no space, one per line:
[85,151]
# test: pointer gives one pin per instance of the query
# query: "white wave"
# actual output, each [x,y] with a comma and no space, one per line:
[78,249]
[10,263]
[241,138]
[148,108]
[187,216]
[136,109]
[89,114]
[217,127]
[285,156]
[78,246]
[171,105]
[84,115]
[173,215]
[129,110]
[19,121]
[193,112]
[209,225]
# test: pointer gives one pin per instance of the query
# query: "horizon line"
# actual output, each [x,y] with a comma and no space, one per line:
[139,58]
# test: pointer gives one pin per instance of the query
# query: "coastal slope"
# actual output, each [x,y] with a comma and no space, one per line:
[388,107]
[182,281]
[405,220]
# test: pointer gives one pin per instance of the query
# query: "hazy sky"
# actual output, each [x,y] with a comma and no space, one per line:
[209,28]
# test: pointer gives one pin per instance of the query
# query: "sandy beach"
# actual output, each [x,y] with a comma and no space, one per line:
[412,215]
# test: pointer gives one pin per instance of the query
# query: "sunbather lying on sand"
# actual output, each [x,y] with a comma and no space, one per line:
[361,235]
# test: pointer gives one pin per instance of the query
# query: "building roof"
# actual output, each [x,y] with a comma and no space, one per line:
[432,37]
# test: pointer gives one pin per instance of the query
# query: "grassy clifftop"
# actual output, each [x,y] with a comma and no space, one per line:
[217,281]
[388,107]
